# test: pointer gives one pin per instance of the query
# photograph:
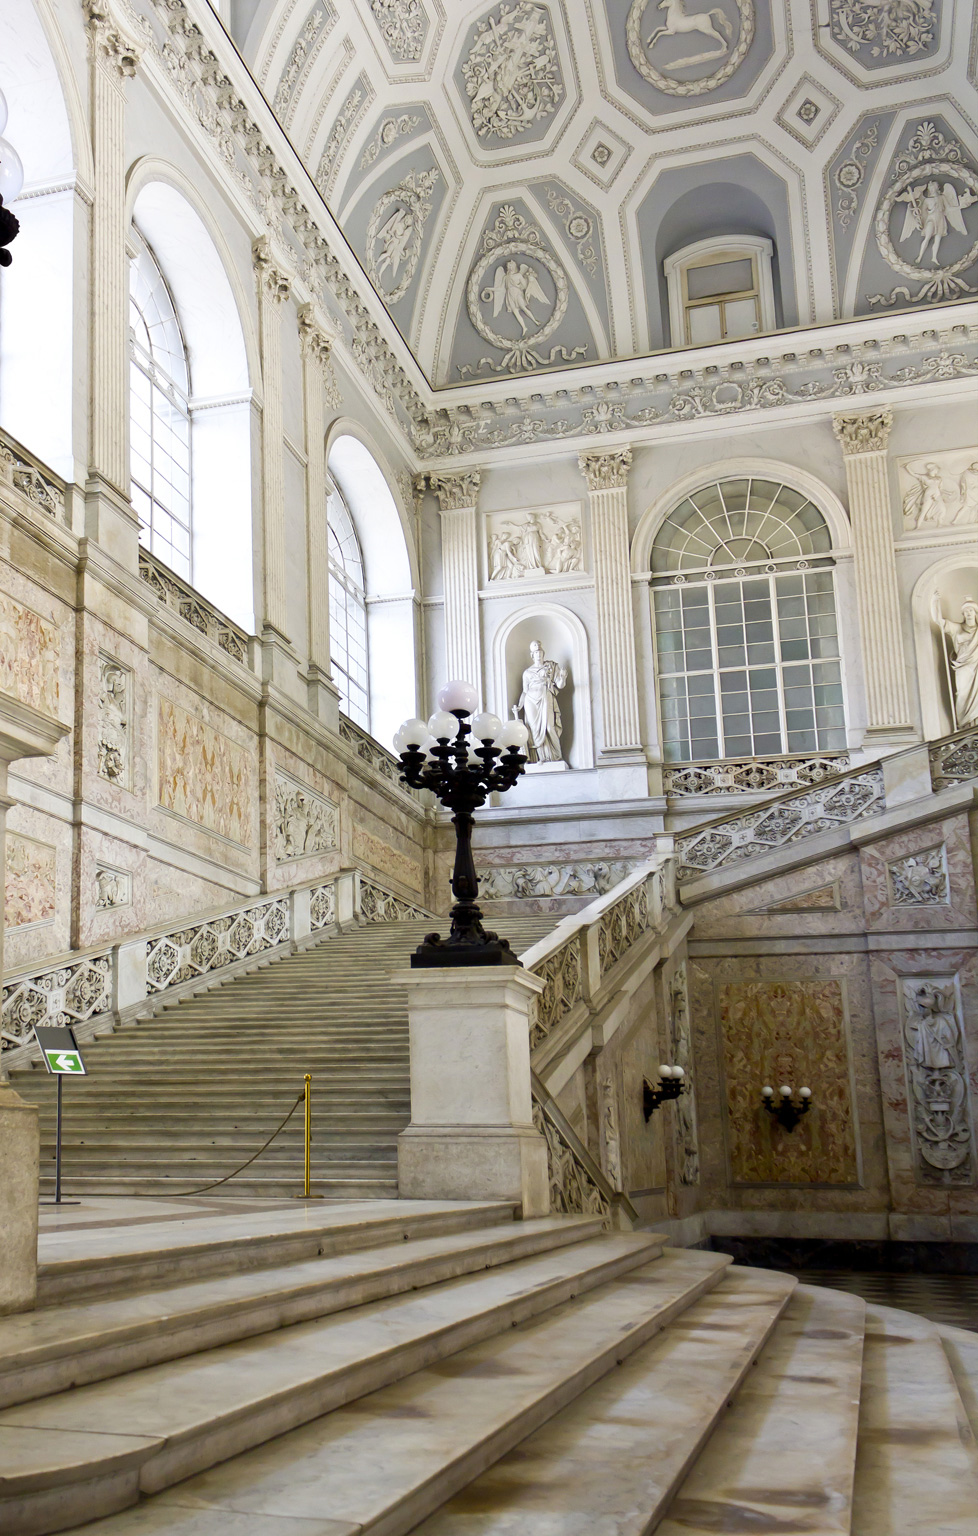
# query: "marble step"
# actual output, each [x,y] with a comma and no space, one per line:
[609,1464]
[70,1345]
[961,1348]
[108,1260]
[247,1185]
[159,1425]
[916,1463]
[786,1449]
[388,1460]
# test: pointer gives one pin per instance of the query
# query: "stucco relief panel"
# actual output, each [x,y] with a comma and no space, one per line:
[30,656]
[920,879]
[673,55]
[204,776]
[383,855]
[937,1079]
[791,1032]
[530,545]
[30,891]
[939,490]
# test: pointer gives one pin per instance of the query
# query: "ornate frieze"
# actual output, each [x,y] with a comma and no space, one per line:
[532,544]
[563,978]
[766,828]
[512,72]
[681,1055]
[863,431]
[926,203]
[403,26]
[919,879]
[114,716]
[358,98]
[752,775]
[583,877]
[456,491]
[939,490]
[30,656]
[187,953]
[111,888]
[606,471]
[390,130]
[305,823]
[719,38]
[185,600]
[518,283]
[25,478]
[938,1099]
[395,231]
[204,776]
[318,25]
[30,881]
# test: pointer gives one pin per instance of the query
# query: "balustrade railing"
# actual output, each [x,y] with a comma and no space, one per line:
[578,1185]
[955,758]
[751,775]
[32,480]
[183,599]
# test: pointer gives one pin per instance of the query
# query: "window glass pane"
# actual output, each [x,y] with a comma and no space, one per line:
[718,277]
[740,317]
[704,324]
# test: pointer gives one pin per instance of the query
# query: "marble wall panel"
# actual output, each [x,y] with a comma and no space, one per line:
[815,900]
[103,654]
[204,776]
[787,1032]
[897,892]
[37,858]
[302,841]
[37,664]
[388,856]
[30,656]
[30,890]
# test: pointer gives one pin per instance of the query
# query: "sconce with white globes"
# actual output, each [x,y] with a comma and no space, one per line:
[11,182]
[784,1109]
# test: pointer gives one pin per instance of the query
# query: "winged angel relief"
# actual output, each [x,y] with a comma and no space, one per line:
[522,271]
[936,188]
[659,64]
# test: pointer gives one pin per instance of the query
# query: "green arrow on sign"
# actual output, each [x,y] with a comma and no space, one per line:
[64,1061]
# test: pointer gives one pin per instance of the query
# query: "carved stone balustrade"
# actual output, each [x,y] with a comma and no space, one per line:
[955,758]
[751,775]
[26,477]
[181,598]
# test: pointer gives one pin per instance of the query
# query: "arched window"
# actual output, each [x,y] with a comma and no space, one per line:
[159,415]
[347,612]
[747,643]
[720,289]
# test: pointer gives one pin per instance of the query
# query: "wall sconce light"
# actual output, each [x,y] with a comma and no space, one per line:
[672,1082]
[785,1110]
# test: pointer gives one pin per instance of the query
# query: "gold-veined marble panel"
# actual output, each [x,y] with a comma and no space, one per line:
[30,888]
[387,858]
[204,775]
[30,655]
[787,1032]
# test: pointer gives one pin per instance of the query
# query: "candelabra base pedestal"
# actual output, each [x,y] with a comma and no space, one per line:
[468,943]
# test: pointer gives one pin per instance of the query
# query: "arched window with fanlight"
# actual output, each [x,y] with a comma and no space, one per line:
[347,612]
[159,415]
[747,647]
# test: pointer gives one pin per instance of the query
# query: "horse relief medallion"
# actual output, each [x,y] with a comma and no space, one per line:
[721,34]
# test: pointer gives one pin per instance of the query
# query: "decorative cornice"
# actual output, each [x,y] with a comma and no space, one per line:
[606,471]
[111,46]
[456,491]
[862,431]
[272,280]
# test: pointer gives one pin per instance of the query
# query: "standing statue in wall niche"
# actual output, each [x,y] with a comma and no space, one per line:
[961,656]
[938,1079]
[542,681]
[113,721]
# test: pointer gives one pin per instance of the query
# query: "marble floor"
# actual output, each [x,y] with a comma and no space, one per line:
[948,1299]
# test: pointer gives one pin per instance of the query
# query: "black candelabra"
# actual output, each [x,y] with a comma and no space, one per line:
[672,1082]
[462,758]
[784,1109]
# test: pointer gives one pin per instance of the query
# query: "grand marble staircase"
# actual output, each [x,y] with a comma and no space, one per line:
[178,1101]
[391,1367]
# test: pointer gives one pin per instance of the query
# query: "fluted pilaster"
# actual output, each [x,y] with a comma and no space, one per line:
[274,287]
[864,436]
[318,389]
[606,475]
[458,496]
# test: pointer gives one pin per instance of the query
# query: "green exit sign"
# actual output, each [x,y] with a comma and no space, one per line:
[64,1061]
[59,1049]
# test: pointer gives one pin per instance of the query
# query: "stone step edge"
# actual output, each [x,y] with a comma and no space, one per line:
[214,1255]
[191,1317]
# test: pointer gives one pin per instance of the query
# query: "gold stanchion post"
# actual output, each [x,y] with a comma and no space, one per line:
[307,1172]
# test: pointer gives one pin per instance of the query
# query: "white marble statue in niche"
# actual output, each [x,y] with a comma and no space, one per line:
[538,706]
[113,720]
[938,1080]
[961,654]
[937,499]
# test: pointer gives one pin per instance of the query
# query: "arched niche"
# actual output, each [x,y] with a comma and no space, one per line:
[564,640]
[196,272]
[390,580]
[42,290]
[951,580]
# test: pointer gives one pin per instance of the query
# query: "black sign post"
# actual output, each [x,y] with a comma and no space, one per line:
[62,1058]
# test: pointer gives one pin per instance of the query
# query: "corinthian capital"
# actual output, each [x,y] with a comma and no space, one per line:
[456,491]
[315,335]
[272,280]
[110,45]
[862,431]
[606,471]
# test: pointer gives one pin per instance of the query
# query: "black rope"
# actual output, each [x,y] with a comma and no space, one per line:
[205,1187]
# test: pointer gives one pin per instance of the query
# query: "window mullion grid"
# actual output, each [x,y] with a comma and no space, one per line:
[779,664]
[715,649]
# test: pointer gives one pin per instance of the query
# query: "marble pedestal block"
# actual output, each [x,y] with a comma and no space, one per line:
[20,1148]
[471,1135]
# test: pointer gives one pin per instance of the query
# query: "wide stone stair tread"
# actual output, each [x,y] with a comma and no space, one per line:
[185,1415]
[384,1462]
[58,1347]
[961,1348]
[916,1462]
[609,1464]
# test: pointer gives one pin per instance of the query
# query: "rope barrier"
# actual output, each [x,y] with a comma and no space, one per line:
[180,1193]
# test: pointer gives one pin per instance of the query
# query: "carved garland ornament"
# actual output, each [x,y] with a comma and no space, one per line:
[397,226]
[516,288]
[677,23]
[930,207]
[403,24]
[512,74]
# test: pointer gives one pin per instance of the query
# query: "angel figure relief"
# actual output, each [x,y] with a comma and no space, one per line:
[932,210]
[394,237]
[515,287]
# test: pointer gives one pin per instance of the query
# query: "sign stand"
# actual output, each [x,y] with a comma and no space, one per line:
[62,1058]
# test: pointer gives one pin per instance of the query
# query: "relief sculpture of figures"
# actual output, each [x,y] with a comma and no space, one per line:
[962,659]
[931,208]
[937,497]
[542,681]
[541,545]
[512,74]
[938,1083]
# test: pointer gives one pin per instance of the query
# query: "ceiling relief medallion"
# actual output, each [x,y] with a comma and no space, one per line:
[685,38]
[512,73]
[517,295]
[884,29]
[403,26]
[394,234]
[927,221]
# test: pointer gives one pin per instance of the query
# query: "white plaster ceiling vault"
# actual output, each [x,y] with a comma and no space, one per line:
[511,176]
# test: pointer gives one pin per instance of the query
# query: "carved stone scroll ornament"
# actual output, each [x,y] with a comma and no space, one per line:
[114,720]
[713,26]
[512,73]
[403,25]
[36,488]
[563,986]
[863,431]
[919,879]
[273,281]
[572,1191]
[110,46]
[687,1137]
[113,888]
[931,197]
[938,1080]
[606,471]
[508,284]
[888,30]
[456,492]
[394,233]
[305,823]
[317,341]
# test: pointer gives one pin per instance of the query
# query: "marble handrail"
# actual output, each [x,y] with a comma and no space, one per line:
[578,1185]
[954,758]
[182,598]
